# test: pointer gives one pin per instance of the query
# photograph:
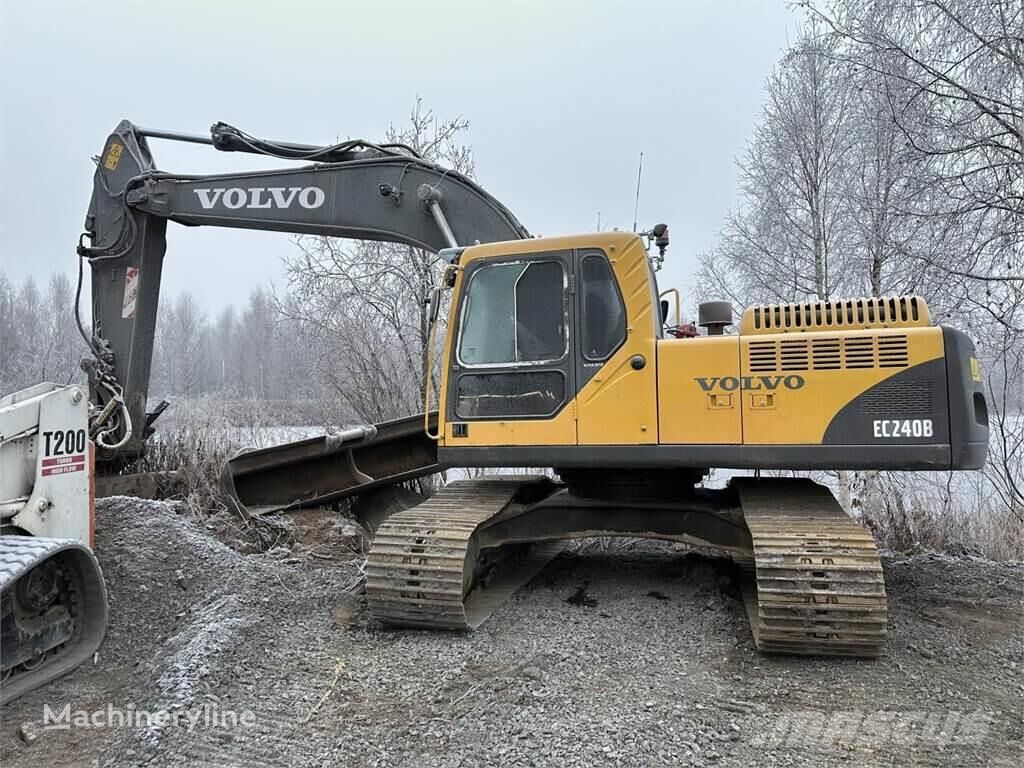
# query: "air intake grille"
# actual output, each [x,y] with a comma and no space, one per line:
[859,352]
[843,314]
[763,356]
[828,353]
[794,354]
[907,398]
[892,351]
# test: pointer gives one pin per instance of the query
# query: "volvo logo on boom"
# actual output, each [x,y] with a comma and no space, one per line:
[732,383]
[235,198]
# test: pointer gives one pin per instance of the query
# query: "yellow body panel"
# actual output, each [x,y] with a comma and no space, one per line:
[800,415]
[619,405]
[688,414]
[560,430]
[776,389]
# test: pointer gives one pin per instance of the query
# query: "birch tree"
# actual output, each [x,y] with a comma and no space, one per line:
[787,238]
[927,197]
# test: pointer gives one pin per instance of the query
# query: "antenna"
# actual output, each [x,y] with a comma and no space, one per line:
[639,175]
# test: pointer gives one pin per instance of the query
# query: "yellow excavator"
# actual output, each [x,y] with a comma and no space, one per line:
[557,355]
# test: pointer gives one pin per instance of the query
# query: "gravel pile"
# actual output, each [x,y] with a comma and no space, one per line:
[637,658]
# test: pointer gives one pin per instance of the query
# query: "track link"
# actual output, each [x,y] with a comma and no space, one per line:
[818,587]
[425,568]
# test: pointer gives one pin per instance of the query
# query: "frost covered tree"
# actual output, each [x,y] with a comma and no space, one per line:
[788,236]
[365,303]
[915,185]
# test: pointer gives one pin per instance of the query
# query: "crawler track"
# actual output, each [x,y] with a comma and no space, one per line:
[426,569]
[815,582]
[818,588]
[47,636]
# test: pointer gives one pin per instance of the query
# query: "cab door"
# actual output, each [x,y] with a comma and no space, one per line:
[616,365]
[512,375]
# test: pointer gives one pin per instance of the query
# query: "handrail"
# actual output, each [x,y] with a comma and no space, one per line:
[676,292]
[447,278]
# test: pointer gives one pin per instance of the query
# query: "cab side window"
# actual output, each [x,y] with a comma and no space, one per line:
[602,313]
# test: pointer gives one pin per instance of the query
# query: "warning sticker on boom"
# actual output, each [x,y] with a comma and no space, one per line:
[113,156]
[131,292]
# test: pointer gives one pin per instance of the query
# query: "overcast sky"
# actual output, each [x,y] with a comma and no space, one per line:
[562,97]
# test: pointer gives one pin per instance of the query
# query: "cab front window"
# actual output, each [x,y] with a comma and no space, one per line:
[514,314]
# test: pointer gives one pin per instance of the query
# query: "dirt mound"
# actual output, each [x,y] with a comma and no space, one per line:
[158,564]
[184,613]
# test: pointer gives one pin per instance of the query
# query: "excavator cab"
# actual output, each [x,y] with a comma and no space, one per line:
[546,337]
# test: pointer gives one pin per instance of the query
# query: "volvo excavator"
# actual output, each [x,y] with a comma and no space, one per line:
[556,356]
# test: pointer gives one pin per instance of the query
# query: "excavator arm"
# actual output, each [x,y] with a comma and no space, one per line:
[353,189]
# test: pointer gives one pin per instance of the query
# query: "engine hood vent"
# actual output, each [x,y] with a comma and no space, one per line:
[838,314]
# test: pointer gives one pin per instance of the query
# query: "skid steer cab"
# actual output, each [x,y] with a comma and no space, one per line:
[556,356]
[45,463]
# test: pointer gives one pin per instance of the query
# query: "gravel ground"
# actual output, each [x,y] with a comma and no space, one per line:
[633,658]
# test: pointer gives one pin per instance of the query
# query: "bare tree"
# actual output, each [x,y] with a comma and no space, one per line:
[64,344]
[224,352]
[1005,396]
[10,342]
[954,80]
[923,195]
[38,337]
[182,348]
[787,237]
[365,303]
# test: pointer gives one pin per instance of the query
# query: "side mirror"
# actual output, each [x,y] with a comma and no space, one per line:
[664,311]
[661,237]
[435,304]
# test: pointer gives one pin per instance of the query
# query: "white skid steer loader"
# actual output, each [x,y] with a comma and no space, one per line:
[53,604]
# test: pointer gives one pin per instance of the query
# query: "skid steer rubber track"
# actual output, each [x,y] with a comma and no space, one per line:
[53,610]
[425,568]
[818,586]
